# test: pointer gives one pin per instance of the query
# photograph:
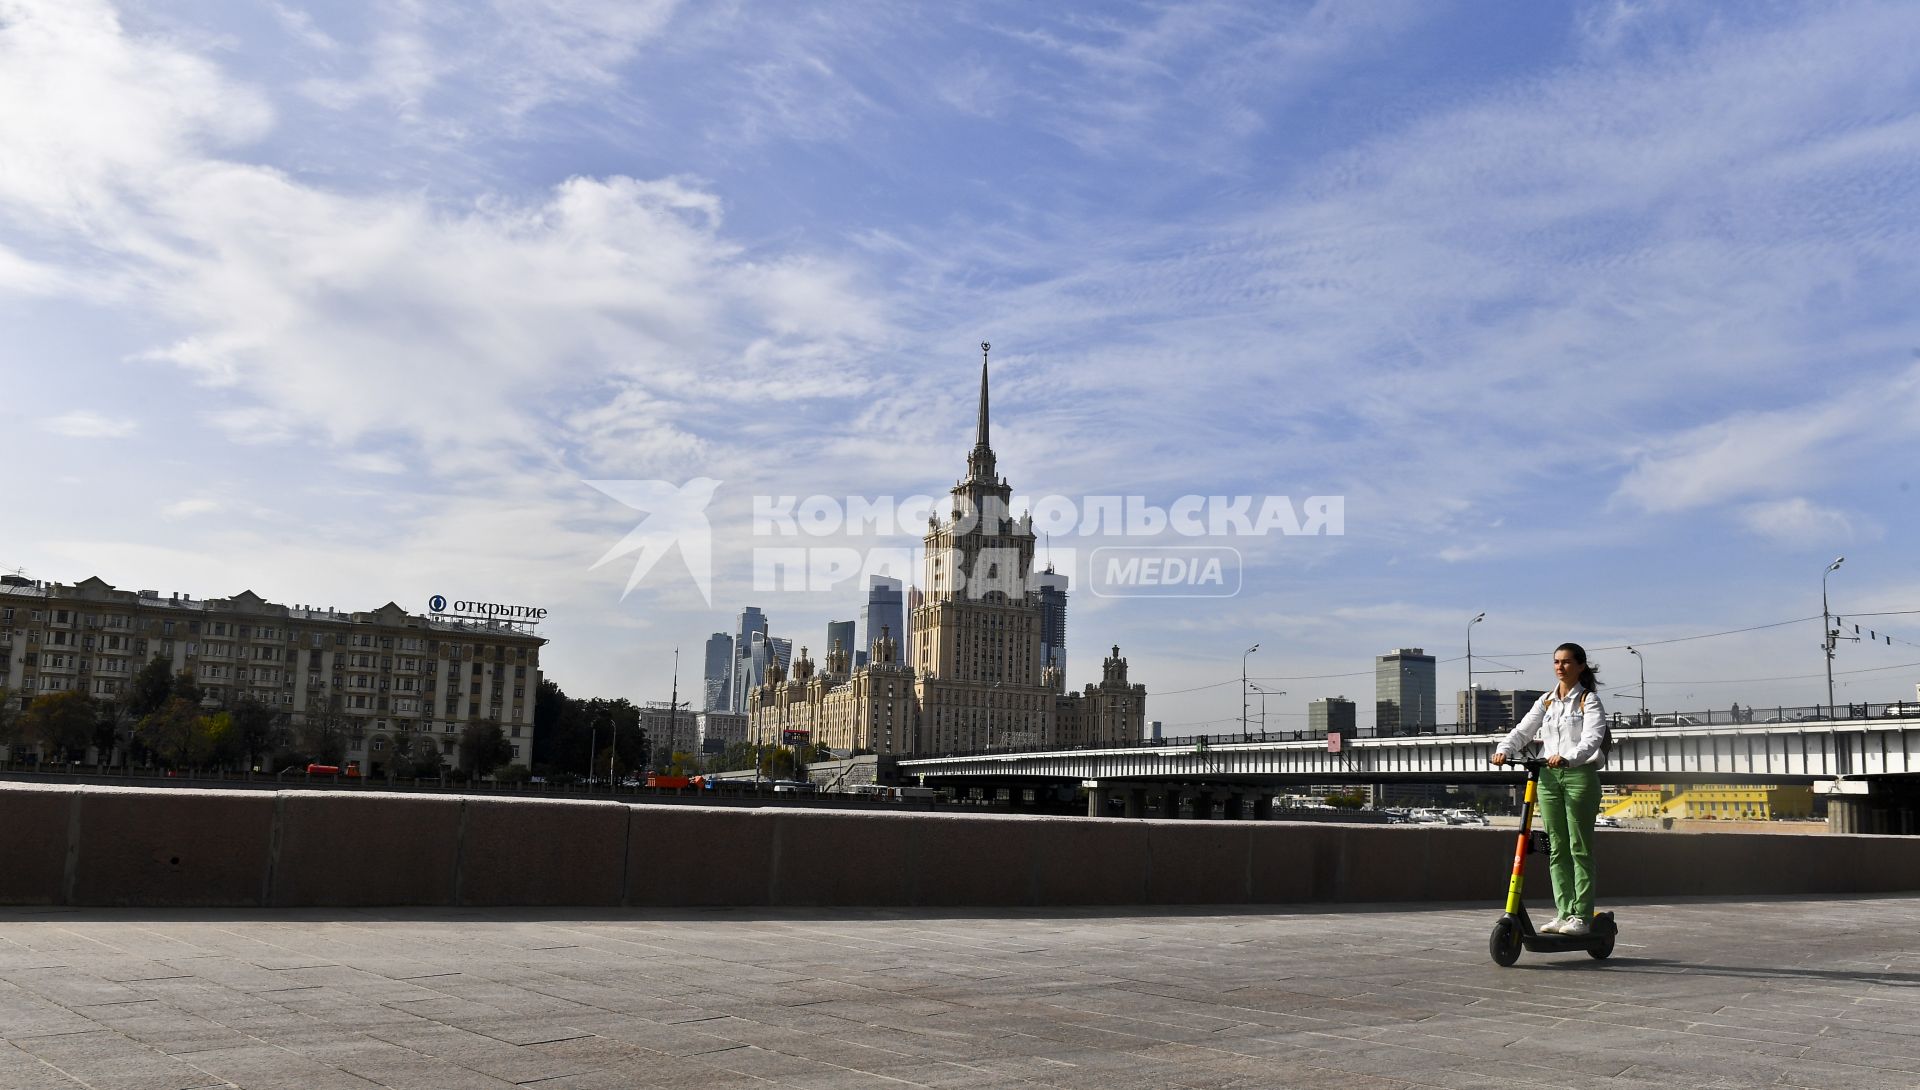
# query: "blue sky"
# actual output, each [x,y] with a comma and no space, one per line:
[1599,315]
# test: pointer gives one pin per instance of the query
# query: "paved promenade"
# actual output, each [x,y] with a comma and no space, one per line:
[1783,992]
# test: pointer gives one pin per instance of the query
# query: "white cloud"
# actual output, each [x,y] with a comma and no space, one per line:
[83,424]
[1769,453]
[504,58]
[201,505]
[350,314]
[1798,522]
[385,464]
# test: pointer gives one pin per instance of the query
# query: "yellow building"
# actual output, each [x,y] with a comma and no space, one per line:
[866,708]
[1713,802]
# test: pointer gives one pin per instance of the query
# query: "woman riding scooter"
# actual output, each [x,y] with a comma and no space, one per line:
[1571,726]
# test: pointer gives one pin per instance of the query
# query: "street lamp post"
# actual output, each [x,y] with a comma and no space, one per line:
[1244,737]
[1473,698]
[1638,658]
[1264,694]
[1827,629]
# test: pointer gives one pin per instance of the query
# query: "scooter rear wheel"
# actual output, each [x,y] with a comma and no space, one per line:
[1504,943]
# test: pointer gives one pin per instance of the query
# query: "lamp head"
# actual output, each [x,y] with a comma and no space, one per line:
[1481,616]
[1836,564]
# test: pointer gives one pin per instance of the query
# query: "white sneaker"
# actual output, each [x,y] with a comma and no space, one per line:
[1552,927]
[1574,928]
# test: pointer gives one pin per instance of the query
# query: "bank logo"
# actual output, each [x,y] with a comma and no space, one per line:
[437,604]
[676,515]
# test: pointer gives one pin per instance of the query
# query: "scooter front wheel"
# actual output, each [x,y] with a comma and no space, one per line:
[1603,950]
[1504,943]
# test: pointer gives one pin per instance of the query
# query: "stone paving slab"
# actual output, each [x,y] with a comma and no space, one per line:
[1788,992]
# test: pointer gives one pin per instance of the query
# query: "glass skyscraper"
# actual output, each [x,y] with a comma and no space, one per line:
[885,608]
[751,622]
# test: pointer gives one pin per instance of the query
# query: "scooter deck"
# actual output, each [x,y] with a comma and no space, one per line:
[1601,930]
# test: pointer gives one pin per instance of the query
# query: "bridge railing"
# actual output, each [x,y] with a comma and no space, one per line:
[1735,714]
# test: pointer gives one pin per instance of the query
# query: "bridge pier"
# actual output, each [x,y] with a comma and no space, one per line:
[1263,806]
[1097,801]
[1236,806]
[1886,807]
[1135,800]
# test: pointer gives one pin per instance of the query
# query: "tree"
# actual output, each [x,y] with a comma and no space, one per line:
[483,748]
[187,689]
[149,688]
[180,734]
[61,722]
[10,714]
[415,756]
[255,725]
[322,736]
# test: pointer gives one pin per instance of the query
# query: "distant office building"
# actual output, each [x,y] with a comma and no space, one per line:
[718,694]
[1153,731]
[1334,713]
[840,637]
[885,607]
[1052,589]
[669,730]
[750,623]
[1482,710]
[766,652]
[1519,702]
[1404,693]
[719,729]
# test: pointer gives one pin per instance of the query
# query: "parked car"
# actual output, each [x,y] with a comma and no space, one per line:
[1675,721]
[1607,822]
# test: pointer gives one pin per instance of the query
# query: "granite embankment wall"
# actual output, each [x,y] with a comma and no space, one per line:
[102,846]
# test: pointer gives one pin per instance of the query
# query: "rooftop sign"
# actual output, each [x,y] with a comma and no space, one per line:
[439,606]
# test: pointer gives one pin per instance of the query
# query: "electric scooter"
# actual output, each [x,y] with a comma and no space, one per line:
[1514,930]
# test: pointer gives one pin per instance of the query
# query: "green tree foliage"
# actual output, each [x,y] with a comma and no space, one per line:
[256,727]
[185,688]
[149,689]
[321,736]
[62,723]
[180,735]
[416,756]
[483,748]
[10,714]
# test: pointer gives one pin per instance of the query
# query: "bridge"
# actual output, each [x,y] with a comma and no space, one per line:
[1869,768]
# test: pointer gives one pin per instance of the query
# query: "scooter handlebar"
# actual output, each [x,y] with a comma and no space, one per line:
[1529,763]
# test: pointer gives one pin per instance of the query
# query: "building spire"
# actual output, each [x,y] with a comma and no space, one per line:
[980,463]
[980,432]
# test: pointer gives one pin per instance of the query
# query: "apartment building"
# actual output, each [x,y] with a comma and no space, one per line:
[382,673]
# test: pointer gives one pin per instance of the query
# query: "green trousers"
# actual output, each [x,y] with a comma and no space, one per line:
[1569,800]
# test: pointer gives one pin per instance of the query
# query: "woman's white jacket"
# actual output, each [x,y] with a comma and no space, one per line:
[1572,726]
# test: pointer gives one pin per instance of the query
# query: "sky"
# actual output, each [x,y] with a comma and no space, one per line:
[1596,318]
